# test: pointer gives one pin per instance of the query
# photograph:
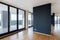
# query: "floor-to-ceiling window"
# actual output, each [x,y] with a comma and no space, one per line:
[3,18]
[13,19]
[20,19]
[30,19]
[57,23]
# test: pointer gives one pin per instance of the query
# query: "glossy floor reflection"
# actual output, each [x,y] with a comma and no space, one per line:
[57,32]
[24,35]
[28,35]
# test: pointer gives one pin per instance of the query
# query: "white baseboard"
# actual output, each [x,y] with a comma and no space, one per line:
[43,34]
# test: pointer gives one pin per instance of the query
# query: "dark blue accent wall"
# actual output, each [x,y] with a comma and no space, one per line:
[42,19]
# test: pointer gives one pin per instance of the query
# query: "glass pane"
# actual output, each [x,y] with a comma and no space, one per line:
[57,23]
[3,18]
[30,19]
[59,19]
[13,19]
[21,19]
[56,19]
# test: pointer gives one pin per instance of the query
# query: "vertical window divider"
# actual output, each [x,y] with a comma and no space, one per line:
[8,18]
[17,18]
[24,19]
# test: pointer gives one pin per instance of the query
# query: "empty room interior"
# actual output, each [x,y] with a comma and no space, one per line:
[29,19]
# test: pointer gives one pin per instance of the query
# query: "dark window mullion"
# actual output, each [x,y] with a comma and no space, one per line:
[24,19]
[17,18]
[8,18]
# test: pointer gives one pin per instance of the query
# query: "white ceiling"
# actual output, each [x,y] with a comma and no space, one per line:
[40,2]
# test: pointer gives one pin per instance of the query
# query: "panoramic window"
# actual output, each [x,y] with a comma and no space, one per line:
[3,18]
[20,19]
[13,19]
[30,19]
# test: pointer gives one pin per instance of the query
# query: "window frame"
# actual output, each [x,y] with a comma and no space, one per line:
[24,18]
[9,20]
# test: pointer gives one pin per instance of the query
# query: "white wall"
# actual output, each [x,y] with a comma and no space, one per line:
[24,4]
[56,7]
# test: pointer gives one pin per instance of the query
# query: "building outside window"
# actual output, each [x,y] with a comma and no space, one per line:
[3,18]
